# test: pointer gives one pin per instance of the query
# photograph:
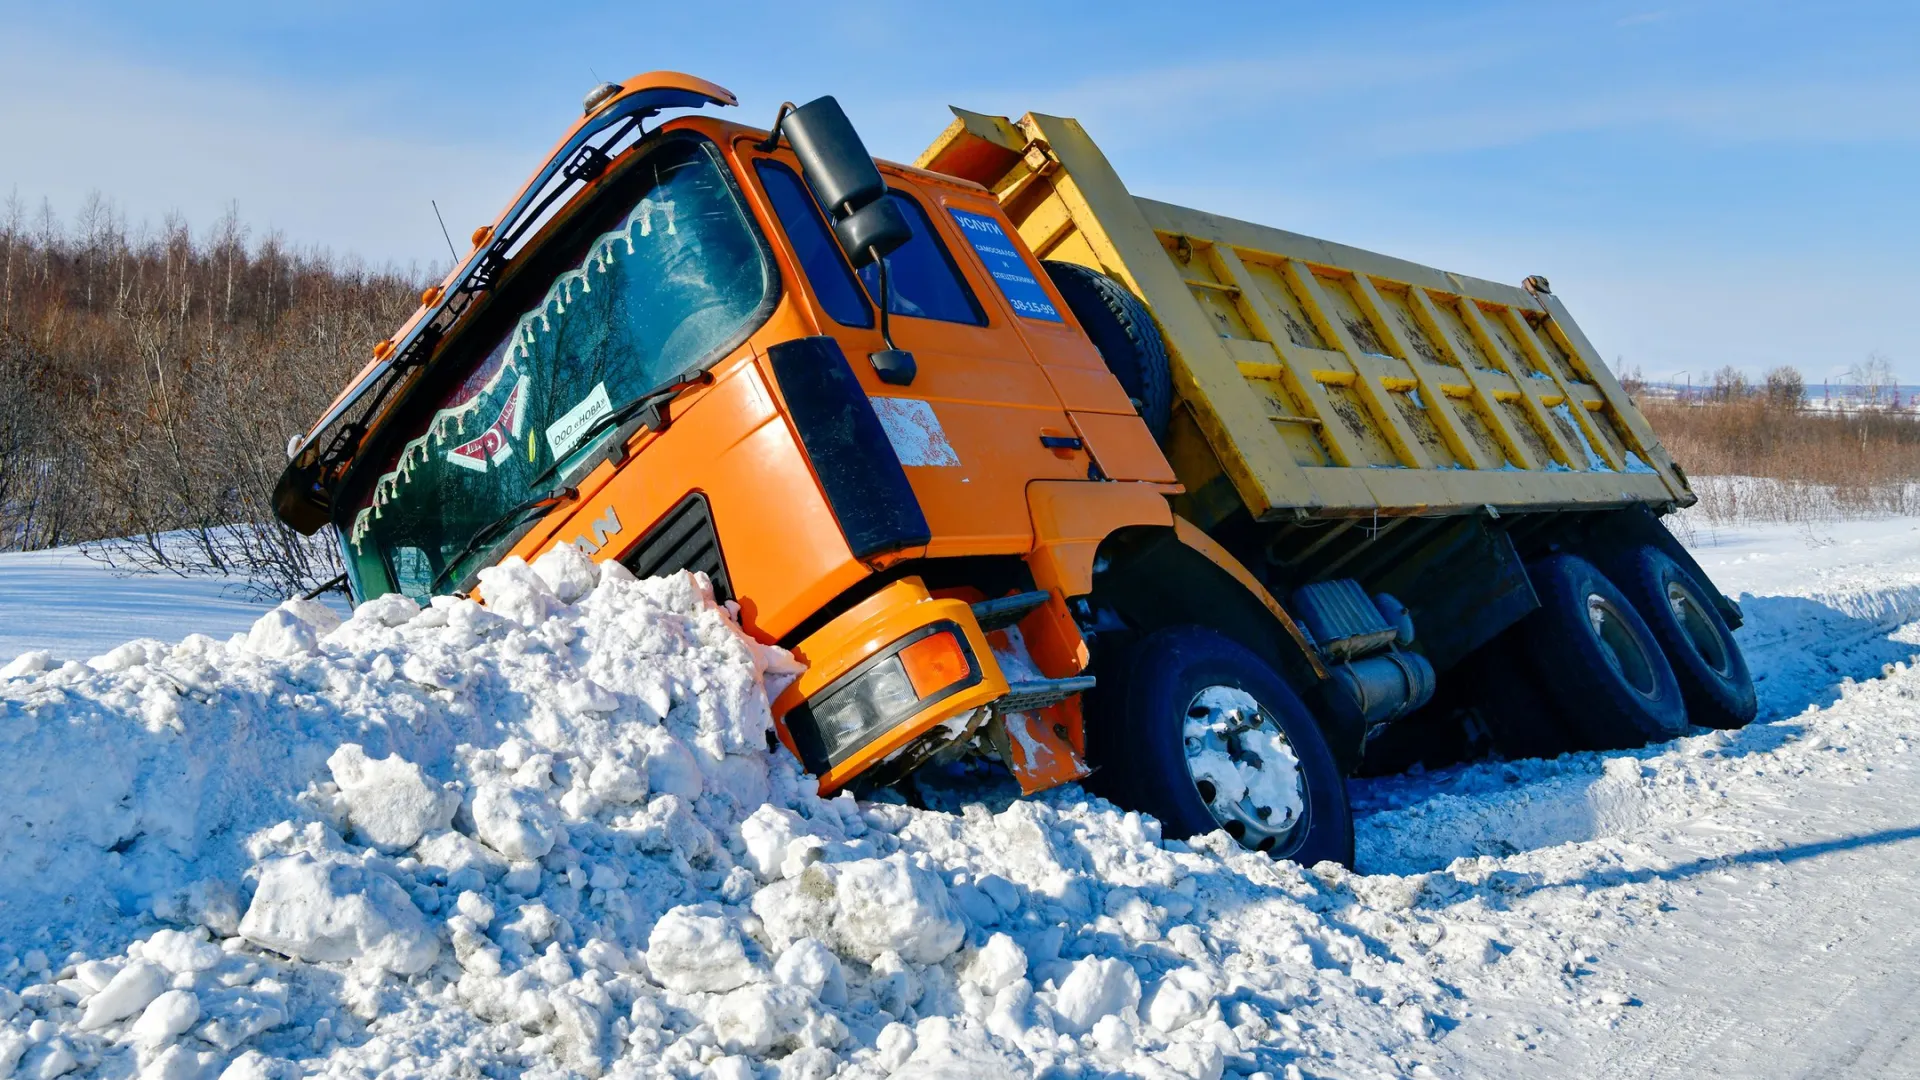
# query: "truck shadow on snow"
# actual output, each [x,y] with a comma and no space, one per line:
[1612,876]
[1803,653]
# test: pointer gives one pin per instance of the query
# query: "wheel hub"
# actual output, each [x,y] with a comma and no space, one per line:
[1243,767]
[1698,628]
[1621,646]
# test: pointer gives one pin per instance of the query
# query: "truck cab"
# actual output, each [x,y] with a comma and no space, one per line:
[917,541]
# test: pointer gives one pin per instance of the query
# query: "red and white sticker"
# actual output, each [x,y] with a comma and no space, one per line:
[495,443]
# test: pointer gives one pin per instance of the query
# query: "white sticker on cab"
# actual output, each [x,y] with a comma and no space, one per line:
[916,434]
[563,433]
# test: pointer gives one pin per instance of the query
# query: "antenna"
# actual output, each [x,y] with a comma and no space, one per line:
[444,232]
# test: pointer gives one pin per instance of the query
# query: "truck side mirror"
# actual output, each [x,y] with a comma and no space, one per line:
[868,225]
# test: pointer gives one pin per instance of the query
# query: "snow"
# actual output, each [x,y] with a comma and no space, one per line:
[1271,781]
[77,607]
[390,802]
[546,837]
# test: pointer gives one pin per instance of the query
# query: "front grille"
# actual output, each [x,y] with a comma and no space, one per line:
[683,540]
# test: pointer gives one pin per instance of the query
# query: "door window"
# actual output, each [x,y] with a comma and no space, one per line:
[922,276]
[814,245]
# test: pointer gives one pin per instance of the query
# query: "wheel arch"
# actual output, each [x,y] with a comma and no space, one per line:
[1158,576]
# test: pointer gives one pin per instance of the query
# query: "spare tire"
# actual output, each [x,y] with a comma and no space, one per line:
[1124,333]
[1598,663]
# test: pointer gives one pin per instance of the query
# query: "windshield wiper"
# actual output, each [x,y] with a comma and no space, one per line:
[514,516]
[651,407]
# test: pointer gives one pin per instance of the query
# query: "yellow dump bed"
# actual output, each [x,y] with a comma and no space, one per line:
[1321,380]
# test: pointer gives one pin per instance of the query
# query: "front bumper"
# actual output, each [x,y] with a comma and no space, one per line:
[869,694]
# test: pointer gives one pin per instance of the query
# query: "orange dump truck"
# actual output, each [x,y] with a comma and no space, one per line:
[1200,512]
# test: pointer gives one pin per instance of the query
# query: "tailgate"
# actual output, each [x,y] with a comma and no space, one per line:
[1322,379]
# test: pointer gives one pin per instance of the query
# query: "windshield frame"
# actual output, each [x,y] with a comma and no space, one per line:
[523,281]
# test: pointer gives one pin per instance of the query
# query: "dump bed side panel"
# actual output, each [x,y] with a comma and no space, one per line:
[1324,379]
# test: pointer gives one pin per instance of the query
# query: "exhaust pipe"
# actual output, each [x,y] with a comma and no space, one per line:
[1375,692]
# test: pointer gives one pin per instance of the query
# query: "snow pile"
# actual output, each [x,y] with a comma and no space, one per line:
[548,836]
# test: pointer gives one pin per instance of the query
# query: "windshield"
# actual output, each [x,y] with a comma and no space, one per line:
[668,275]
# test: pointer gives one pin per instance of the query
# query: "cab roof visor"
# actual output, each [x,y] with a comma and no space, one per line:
[299,498]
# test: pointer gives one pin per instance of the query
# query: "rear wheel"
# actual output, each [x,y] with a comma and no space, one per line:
[1196,730]
[1595,659]
[1679,609]
[1125,336]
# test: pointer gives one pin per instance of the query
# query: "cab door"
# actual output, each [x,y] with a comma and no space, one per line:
[981,417]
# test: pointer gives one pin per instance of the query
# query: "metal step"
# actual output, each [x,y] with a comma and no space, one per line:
[1040,693]
[1003,612]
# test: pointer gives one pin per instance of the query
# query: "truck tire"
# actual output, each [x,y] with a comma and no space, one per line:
[1595,659]
[1679,609]
[1186,716]
[1124,334]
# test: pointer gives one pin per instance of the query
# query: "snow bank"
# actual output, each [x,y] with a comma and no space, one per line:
[548,836]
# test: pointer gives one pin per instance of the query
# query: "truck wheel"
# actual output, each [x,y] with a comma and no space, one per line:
[1595,659]
[1125,336]
[1199,732]
[1713,676]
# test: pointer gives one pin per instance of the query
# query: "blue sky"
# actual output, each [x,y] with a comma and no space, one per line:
[1705,183]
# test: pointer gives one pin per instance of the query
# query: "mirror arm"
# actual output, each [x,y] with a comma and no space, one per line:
[772,140]
[886,297]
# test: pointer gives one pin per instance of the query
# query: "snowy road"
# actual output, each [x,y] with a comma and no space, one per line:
[1765,879]
[1733,904]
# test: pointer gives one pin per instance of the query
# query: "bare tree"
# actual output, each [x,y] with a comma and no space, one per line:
[1872,380]
[149,380]
[1785,388]
[1729,384]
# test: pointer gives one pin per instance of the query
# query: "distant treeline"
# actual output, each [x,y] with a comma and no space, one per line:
[150,379]
[1859,456]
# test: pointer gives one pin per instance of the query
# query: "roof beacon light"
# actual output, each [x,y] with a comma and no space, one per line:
[598,95]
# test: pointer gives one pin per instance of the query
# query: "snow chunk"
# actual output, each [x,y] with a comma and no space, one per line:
[766,834]
[694,948]
[568,572]
[27,663]
[389,609]
[810,965]
[125,994]
[515,821]
[167,1018]
[754,1019]
[1096,987]
[455,853]
[280,633]
[515,591]
[893,905]
[617,781]
[323,619]
[998,964]
[390,801]
[338,911]
[670,765]
[181,953]
[1180,998]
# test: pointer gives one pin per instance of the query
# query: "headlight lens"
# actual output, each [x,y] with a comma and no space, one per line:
[859,707]
[870,702]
